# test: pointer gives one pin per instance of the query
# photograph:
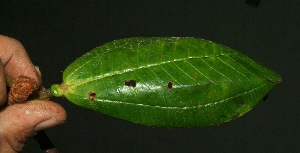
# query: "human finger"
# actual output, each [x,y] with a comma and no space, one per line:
[15,59]
[20,121]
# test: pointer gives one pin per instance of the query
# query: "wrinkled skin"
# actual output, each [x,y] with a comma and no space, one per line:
[21,121]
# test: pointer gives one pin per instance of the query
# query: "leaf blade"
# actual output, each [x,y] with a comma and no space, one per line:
[180,82]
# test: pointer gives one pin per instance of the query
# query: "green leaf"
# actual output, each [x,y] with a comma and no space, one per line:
[167,82]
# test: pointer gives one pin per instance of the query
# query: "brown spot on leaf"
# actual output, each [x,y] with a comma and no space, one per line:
[92,96]
[130,83]
[198,106]
[170,85]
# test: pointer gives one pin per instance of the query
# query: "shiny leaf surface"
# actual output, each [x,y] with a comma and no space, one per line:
[167,82]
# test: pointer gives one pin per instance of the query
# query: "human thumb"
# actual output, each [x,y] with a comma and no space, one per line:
[21,121]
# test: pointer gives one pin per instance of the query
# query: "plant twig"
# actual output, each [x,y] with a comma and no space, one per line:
[45,143]
[25,88]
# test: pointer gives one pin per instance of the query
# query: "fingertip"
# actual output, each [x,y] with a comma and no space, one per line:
[20,121]
[32,113]
[48,110]
[16,59]
[50,113]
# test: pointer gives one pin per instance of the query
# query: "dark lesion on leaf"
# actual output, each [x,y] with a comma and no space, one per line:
[170,85]
[130,83]
[92,96]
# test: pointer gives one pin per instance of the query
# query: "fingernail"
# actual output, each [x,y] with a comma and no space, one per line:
[38,70]
[48,123]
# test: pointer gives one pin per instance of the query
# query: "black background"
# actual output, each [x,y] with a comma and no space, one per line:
[56,33]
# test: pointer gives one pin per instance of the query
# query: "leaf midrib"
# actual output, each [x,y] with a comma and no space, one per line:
[174,107]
